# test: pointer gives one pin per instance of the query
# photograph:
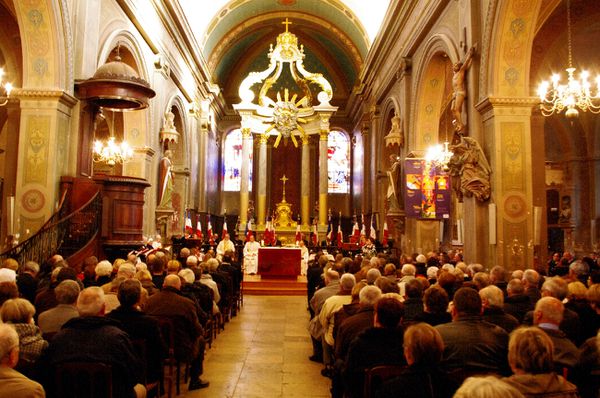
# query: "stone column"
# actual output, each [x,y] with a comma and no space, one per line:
[305,182]
[323,178]
[245,174]
[262,182]
[44,135]
[507,130]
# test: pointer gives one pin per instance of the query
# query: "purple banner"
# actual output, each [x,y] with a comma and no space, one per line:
[427,193]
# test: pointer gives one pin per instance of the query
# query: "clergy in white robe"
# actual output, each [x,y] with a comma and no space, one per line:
[251,255]
[224,246]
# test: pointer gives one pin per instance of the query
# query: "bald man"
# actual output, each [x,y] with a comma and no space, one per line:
[189,340]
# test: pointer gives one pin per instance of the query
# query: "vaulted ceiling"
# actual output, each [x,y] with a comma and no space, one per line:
[235,37]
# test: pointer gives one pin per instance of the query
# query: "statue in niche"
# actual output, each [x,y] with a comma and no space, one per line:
[169,123]
[460,91]
[165,173]
[470,170]
[394,176]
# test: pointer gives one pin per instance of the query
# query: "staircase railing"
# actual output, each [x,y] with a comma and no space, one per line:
[81,224]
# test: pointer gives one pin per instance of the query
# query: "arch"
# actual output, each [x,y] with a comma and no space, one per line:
[46,43]
[127,40]
[338,162]
[183,146]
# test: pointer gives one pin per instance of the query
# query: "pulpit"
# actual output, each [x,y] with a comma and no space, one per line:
[279,262]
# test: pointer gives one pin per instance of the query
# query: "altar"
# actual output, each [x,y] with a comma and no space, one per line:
[279,262]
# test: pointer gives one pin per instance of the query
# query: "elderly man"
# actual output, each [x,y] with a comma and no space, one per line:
[332,286]
[330,307]
[14,384]
[51,321]
[92,337]
[251,255]
[531,280]
[492,299]
[548,315]
[471,344]
[27,281]
[189,343]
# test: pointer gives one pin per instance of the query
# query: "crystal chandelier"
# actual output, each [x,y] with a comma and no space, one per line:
[577,93]
[7,86]
[439,155]
[110,151]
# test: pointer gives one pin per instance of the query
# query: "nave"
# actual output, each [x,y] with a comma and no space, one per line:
[264,352]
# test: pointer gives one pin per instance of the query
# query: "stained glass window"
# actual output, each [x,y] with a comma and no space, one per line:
[232,162]
[338,162]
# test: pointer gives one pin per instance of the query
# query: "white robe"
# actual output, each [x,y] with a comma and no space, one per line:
[251,257]
[304,261]
[223,247]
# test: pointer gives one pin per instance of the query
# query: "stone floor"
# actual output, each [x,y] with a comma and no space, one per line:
[264,352]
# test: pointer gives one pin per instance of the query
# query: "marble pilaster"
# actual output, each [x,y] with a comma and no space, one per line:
[245,174]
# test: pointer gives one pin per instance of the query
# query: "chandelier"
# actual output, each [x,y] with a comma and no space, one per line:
[110,151]
[576,93]
[7,86]
[439,155]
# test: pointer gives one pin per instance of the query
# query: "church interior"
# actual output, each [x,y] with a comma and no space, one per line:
[400,127]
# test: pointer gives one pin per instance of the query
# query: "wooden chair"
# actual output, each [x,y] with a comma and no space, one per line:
[376,376]
[83,379]
[167,330]
[140,348]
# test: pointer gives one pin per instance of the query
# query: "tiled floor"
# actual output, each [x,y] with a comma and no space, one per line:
[264,352]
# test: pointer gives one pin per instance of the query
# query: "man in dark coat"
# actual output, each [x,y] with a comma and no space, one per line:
[92,337]
[471,344]
[493,311]
[517,303]
[189,343]
[140,326]
[379,345]
[413,305]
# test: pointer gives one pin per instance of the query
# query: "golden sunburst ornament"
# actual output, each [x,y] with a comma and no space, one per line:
[286,119]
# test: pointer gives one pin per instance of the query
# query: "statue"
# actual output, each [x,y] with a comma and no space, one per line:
[470,166]
[460,92]
[169,123]
[165,174]
[396,135]
[394,177]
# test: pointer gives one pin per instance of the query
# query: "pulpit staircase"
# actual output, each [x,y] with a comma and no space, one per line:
[73,235]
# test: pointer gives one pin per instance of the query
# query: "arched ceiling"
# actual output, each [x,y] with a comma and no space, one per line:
[235,36]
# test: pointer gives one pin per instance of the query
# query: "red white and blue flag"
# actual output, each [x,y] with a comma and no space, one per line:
[386,234]
[224,228]
[340,235]
[363,230]
[249,232]
[372,232]
[298,233]
[189,230]
[329,230]
[355,237]
[198,229]
[209,232]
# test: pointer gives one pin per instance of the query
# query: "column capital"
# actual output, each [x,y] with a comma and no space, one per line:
[263,138]
[364,128]
[246,132]
[490,103]
[324,135]
[304,139]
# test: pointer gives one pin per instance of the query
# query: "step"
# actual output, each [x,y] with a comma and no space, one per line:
[255,286]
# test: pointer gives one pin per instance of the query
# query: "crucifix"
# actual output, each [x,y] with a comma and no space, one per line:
[284,179]
[286,23]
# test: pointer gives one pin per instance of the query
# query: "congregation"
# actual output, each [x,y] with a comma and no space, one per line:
[436,327]
[439,327]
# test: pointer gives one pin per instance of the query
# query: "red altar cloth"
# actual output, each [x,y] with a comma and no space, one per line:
[279,262]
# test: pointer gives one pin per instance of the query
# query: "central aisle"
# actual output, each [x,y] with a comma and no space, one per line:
[264,352]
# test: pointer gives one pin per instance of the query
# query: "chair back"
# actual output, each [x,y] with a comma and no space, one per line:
[83,379]
[376,376]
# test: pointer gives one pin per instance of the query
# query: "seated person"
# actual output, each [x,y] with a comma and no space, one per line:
[19,312]
[487,387]
[530,358]
[92,337]
[423,349]
[379,345]
[67,292]
[140,326]
[14,384]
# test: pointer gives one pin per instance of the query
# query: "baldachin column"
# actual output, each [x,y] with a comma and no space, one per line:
[262,181]
[245,173]
[305,182]
[323,136]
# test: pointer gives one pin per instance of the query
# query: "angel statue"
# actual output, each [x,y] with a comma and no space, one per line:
[470,165]
[394,176]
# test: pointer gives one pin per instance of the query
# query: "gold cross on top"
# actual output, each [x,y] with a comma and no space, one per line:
[284,179]
[286,23]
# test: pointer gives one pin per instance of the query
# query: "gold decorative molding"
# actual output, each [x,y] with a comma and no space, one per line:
[246,132]
[38,94]
[324,135]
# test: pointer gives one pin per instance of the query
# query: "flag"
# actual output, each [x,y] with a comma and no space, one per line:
[340,235]
[298,233]
[248,230]
[355,237]
[209,233]
[224,228]
[188,224]
[363,230]
[372,232]
[315,234]
[386,234]
[198,229]
[328,236]
[273,236]
[268,236]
